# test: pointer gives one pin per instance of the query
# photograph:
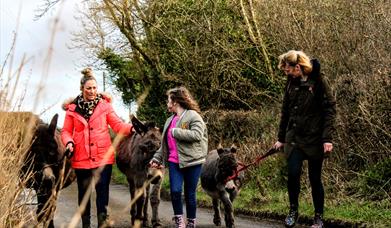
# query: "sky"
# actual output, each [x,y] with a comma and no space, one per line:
[60,77]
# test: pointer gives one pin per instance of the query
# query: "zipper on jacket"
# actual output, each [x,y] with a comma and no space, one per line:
[89,140]
[176,144]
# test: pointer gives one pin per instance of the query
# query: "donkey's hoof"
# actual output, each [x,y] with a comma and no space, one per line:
[157,225]
[146,223]
[217,222]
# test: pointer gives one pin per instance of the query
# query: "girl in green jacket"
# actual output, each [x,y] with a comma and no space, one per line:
[183,150]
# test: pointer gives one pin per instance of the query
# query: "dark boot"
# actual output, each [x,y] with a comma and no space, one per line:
[85,220]
[291,219]
[103,221]
[318,223]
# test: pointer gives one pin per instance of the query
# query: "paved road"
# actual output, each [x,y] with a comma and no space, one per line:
[119,196]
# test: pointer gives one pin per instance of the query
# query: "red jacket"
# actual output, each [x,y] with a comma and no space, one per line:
[92,139]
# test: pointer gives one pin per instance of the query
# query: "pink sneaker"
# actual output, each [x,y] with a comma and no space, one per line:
[178,220]
[191,223]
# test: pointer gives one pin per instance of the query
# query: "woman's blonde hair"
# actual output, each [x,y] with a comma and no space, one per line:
[294,57]
[183,97]
[87,75]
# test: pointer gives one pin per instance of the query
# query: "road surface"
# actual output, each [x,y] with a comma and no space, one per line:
[119,197]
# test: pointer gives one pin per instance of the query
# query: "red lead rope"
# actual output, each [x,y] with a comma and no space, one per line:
[242,166]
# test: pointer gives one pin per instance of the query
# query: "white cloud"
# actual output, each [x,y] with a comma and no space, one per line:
[33,40]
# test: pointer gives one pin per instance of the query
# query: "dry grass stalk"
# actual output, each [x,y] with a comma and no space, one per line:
[16,136]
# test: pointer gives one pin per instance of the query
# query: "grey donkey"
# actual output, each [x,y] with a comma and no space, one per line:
[134,153]
[220,165]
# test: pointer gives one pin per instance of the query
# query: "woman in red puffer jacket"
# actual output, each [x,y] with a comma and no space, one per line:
[86,136]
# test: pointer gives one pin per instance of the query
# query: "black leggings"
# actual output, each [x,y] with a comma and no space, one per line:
[295,163]
[84,178]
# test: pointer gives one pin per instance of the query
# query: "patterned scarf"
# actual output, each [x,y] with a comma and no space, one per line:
[87,107]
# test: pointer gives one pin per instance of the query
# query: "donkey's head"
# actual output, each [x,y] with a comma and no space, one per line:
[227,167]
[150,139]
[45,148]
[148,143]
[227,163]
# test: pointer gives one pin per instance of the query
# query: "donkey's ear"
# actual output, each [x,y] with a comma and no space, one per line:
[233,148]
[150,125]
[53,124]
[139,126]
[220,149]
[219,146]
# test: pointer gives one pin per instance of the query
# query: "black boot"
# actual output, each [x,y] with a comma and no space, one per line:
[104,221]
[318,223]
[291,219]
[102,218]
[85,220]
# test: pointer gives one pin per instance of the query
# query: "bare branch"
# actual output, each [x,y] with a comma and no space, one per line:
[110,5]
[45,7]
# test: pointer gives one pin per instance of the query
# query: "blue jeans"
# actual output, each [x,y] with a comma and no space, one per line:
[188,176]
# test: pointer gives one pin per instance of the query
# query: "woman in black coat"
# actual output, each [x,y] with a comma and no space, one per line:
[306,128]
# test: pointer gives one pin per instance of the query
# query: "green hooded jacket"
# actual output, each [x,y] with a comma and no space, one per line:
[191,138]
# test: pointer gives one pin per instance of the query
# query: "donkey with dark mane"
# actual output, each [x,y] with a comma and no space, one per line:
[220,165]
[46,168]
[134,153]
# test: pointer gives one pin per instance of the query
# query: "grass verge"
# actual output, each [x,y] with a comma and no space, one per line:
[341,212]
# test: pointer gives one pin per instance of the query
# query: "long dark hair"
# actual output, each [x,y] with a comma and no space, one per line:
[182,96]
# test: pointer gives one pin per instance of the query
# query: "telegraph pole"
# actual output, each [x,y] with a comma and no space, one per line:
[104,81]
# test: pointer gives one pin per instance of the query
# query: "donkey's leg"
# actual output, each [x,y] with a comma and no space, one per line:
[140,202]
[228,209]
[155,201]
[145,207]
[45,208]
[216,216]
[133,206]
[232,195]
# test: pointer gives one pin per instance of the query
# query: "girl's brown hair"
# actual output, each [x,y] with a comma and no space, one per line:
[294,57]
[87,75]
[182,96]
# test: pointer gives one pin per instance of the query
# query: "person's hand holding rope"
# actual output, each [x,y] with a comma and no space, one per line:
[69,150]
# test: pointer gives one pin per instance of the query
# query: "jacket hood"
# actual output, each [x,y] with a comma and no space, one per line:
[65,106]
[315,68]
[315,73]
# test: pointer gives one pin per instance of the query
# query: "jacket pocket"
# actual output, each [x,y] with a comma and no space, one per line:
[80,151]
[191,151]
[313,126]
[103,147]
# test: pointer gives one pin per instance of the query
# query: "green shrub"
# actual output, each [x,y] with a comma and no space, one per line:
[118,177]
[376,181]
[242,127]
